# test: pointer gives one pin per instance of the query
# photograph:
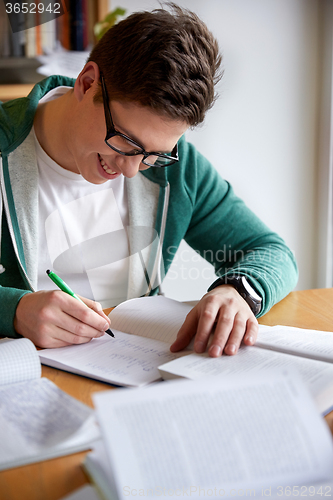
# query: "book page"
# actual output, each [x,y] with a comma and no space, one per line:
[317,375]
[215,434]
[39,421]
[100,472]
[157,317]
[19,361]
[125,360]
[86,492]
[62,62]
[98,468]
[308,343]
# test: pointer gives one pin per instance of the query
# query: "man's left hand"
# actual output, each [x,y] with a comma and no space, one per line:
[224,314]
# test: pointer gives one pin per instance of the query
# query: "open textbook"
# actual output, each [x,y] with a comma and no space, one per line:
[308,351]
[146,327]
[38,421]
[257,436]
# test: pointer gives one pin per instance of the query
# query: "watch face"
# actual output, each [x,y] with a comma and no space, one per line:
[250,290]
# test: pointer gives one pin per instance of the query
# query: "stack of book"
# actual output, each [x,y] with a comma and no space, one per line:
[39,30]
[245,425]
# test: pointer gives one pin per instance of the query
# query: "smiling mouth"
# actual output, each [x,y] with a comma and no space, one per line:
[106,168]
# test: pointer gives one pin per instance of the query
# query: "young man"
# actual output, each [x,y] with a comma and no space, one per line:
[99,184]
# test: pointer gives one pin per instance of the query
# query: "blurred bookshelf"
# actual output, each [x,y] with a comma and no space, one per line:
[19,52]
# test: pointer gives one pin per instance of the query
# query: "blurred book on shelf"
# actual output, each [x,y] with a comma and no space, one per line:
[37,33]
[25,37]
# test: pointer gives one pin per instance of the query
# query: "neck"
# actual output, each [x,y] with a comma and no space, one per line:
[53,129]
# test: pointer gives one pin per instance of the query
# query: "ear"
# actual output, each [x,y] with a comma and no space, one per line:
[87,80]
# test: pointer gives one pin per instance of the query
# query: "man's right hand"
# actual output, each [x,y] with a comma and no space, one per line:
[55,319]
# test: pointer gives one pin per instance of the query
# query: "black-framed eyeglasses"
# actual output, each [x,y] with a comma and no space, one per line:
[126,146]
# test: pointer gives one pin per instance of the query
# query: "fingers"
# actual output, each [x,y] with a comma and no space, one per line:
[251,333]
[96,306]
[63,338]
[55,319]
[186,332]
[52,342]
[74,316]
[219,322]
[207,324]
[228,338]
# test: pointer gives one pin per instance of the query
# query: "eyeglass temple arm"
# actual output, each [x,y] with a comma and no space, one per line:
[107,112]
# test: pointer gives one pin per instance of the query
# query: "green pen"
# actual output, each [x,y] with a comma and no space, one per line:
[65,288]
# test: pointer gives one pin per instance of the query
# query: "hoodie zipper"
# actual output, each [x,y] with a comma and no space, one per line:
[2,269]
[10,227]
[157,264]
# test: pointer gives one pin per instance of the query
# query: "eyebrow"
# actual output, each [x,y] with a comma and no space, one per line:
[130,136]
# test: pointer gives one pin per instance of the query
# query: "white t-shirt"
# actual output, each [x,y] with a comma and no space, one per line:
[82,230]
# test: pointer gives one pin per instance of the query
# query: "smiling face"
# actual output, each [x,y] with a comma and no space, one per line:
[98,163]
[92,158]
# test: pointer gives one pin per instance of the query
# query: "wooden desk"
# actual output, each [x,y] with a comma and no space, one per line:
[9,92]
[53,479]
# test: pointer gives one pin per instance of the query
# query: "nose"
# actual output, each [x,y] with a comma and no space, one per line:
[131,165]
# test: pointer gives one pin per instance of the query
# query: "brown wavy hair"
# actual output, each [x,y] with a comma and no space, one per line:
[167,60]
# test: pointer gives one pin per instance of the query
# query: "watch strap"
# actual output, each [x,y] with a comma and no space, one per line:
[244,288]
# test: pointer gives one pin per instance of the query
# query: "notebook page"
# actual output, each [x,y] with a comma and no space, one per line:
[40,421]
[19,361]
[157,317]
[221,434]
[125,360]
[308,343]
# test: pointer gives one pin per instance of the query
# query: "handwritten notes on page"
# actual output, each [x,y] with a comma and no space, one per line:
[144,329]
[126,360]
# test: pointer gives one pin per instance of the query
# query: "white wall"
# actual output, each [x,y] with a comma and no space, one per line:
[261,134]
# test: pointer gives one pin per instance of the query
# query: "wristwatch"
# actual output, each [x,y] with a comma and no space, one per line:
[243,287]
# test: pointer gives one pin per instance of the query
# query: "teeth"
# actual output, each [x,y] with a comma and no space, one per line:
[108,170]
[105,167]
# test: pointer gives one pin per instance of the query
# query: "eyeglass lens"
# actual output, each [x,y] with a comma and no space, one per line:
[123,145]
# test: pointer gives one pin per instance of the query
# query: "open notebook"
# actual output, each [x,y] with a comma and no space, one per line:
[38,421]
[144,330]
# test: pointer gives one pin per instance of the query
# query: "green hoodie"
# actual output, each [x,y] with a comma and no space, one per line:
[187,201]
